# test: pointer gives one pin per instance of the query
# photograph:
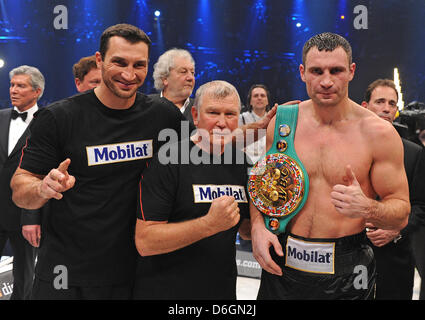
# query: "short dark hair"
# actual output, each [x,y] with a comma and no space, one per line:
[379,83]
[127,31]
[84,66]
[248,98]
[327,41]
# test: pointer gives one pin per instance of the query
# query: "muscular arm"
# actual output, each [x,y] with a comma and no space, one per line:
[32,191]
[158,237]
[388,179]
[153,237]
[26,189]
[262,240]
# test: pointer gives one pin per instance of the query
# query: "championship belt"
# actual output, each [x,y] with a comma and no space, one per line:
[278,183]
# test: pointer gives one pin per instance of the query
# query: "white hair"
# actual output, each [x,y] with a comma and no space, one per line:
[165,63]
[36,77]
[218,89]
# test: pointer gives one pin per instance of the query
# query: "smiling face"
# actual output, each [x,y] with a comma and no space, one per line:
[124,67]
[217,117]
[327,75]
[383,102]
[22,94]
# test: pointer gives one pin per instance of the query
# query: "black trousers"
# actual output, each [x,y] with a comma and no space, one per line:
[418,249]
[395,271]
[23,263]
[45,290]
[350,252]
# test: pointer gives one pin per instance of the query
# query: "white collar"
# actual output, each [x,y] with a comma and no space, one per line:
[185,104]
[30,112]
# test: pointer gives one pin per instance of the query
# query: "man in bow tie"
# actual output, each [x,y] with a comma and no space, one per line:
[26,87]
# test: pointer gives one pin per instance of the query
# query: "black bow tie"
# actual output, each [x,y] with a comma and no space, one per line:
[16,114]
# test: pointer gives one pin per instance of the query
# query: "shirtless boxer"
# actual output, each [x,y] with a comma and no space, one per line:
[351,156]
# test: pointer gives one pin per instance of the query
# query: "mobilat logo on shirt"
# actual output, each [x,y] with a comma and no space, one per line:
[208,192]
[120,152]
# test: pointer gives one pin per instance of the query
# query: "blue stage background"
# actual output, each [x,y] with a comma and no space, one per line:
[241,41]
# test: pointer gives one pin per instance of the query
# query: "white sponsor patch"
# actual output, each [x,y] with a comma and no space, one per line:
[120,152]
[317,257]
[204,193]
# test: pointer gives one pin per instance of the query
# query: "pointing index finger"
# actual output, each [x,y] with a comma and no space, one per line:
[63,167]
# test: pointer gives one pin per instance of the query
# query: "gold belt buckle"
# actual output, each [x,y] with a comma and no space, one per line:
[276,185]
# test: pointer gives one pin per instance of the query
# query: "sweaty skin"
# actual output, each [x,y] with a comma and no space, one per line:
[350,155]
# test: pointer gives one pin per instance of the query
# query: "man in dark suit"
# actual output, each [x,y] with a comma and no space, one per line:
[395,261]
[174,78]
[21,227]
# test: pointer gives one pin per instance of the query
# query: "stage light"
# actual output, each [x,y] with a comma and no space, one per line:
[1,63]
[298,25]
[342,17]
[400,103]
[157,13]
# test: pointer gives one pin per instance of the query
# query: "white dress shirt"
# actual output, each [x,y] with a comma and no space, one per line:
[256,150]
[183,108]
[18,126]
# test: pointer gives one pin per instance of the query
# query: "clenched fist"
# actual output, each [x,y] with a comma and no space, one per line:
[223,214]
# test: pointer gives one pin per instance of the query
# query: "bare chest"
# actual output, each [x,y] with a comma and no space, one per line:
[325,153]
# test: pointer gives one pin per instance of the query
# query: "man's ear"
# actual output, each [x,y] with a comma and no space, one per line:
[195,115]
[164,82]
[77,83]
[302,71]
[38,92]
[365,104]
[352,70]
[98,59]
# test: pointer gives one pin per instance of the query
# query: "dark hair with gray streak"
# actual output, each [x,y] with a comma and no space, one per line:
[329,42]
[36,77]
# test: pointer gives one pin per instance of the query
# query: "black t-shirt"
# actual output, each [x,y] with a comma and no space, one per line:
[178,192]
[91,230]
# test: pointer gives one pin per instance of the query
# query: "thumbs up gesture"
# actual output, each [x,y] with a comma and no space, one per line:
[349,199]
[57,181]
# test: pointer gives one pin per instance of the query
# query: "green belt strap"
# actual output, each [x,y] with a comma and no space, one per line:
[287,114]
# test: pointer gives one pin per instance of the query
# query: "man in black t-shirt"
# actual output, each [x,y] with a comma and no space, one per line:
[99,142]
[193,202]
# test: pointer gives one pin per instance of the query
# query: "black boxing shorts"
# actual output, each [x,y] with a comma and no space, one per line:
[321,269]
